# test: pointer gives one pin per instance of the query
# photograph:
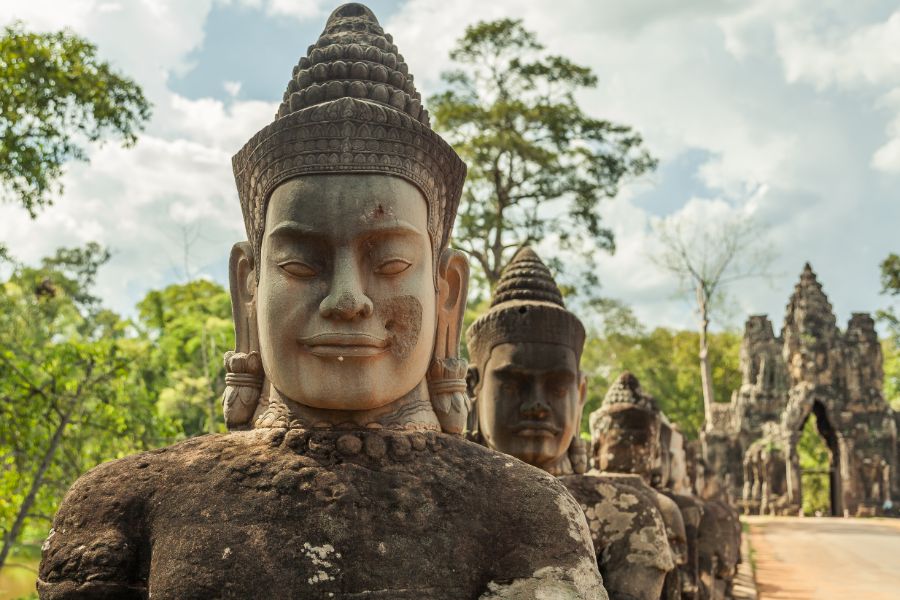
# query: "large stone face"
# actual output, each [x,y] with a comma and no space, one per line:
[812,370]
[317,514]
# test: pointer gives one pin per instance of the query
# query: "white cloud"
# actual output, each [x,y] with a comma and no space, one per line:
[175,184]
[796,106]
[786,98]
[301,10]
[233,88]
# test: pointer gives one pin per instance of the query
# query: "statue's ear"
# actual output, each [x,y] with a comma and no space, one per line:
[582,390]
[446,375]
[243,366]
[579,449]
[453,287]
[472,380]
[242,280]
[582,398]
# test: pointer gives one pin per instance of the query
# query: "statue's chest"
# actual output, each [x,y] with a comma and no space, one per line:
[292,527]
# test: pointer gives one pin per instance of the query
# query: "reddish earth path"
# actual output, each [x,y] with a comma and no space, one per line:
[826,558]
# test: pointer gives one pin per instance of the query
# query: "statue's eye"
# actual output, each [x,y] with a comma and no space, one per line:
[559,390]
[298,269]
[509,387]
[394,266]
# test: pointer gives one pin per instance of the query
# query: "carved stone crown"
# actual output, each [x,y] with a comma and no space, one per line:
[627,392]
[351,107]
[527,307]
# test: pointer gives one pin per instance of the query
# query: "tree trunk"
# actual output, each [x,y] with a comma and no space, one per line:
[13,534]
[705,371]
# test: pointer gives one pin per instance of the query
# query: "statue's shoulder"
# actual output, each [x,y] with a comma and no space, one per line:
[535,526]
[99,536]
[617,507]
[626,526]
[495,473]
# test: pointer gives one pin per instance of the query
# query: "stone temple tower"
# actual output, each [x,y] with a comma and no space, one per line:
[811,335]
[812,370]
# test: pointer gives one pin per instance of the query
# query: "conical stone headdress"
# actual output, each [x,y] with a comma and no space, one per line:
[527,307]
[626,392]
[351,107]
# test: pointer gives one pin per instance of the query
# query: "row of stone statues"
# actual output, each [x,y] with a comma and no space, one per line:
[660,527]
[346,473]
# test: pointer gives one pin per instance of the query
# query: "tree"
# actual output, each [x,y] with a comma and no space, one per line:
[890,286]
[54,95]
[189,327]
[663,360]
[890,275]
[706,257]
[72,393]
[538,165]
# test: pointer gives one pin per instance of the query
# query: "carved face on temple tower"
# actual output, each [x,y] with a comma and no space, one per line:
[526,378]
[346,294]
[625,430]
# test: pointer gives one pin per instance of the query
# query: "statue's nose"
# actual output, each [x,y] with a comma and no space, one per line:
[535,407]
[346,299]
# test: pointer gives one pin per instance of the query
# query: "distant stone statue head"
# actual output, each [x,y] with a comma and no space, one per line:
[625,430]
[347,301]
[525,373]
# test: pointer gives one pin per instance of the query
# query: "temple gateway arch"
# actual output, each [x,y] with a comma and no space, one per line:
[812,370]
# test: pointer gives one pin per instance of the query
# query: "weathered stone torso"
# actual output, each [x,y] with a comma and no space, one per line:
[691,513]
[323,514]
[719,546]
[628,532]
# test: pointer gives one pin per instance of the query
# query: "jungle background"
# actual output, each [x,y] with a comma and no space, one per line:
[81,384]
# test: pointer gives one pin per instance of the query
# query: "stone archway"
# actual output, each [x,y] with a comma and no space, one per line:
[811,368]
[829,435]
[809,401]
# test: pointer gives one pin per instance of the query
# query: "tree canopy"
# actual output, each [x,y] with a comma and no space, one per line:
[890,286]
[664,361]
[74,390]
[56,95]
[190,328]
[539,166]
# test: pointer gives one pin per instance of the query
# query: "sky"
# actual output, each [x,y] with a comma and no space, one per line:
[783,111]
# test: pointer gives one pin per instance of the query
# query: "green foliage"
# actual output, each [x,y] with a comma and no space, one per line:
[190,328]
[890,346]
[538,165]
[73,392]
[815,462]
[891,350]
[890,275]
[55,95]
[664,361]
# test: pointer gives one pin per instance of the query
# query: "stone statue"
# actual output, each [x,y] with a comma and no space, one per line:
[349,478]
[669,460]
[719,540]
[765,471]
[625,438]
[530,395]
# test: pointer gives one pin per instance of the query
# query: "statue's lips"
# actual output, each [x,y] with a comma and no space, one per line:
[344,344]
[535,429]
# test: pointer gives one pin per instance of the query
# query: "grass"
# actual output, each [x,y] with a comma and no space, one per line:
[745,528]
[17,578]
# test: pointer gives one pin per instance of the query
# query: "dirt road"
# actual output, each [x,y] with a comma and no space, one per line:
[825,559]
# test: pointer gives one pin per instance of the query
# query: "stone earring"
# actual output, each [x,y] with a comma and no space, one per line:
[243,384]
[244,376]
[578,455]
[447,389]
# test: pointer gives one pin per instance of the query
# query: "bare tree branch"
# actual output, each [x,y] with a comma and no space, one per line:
[706,257]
